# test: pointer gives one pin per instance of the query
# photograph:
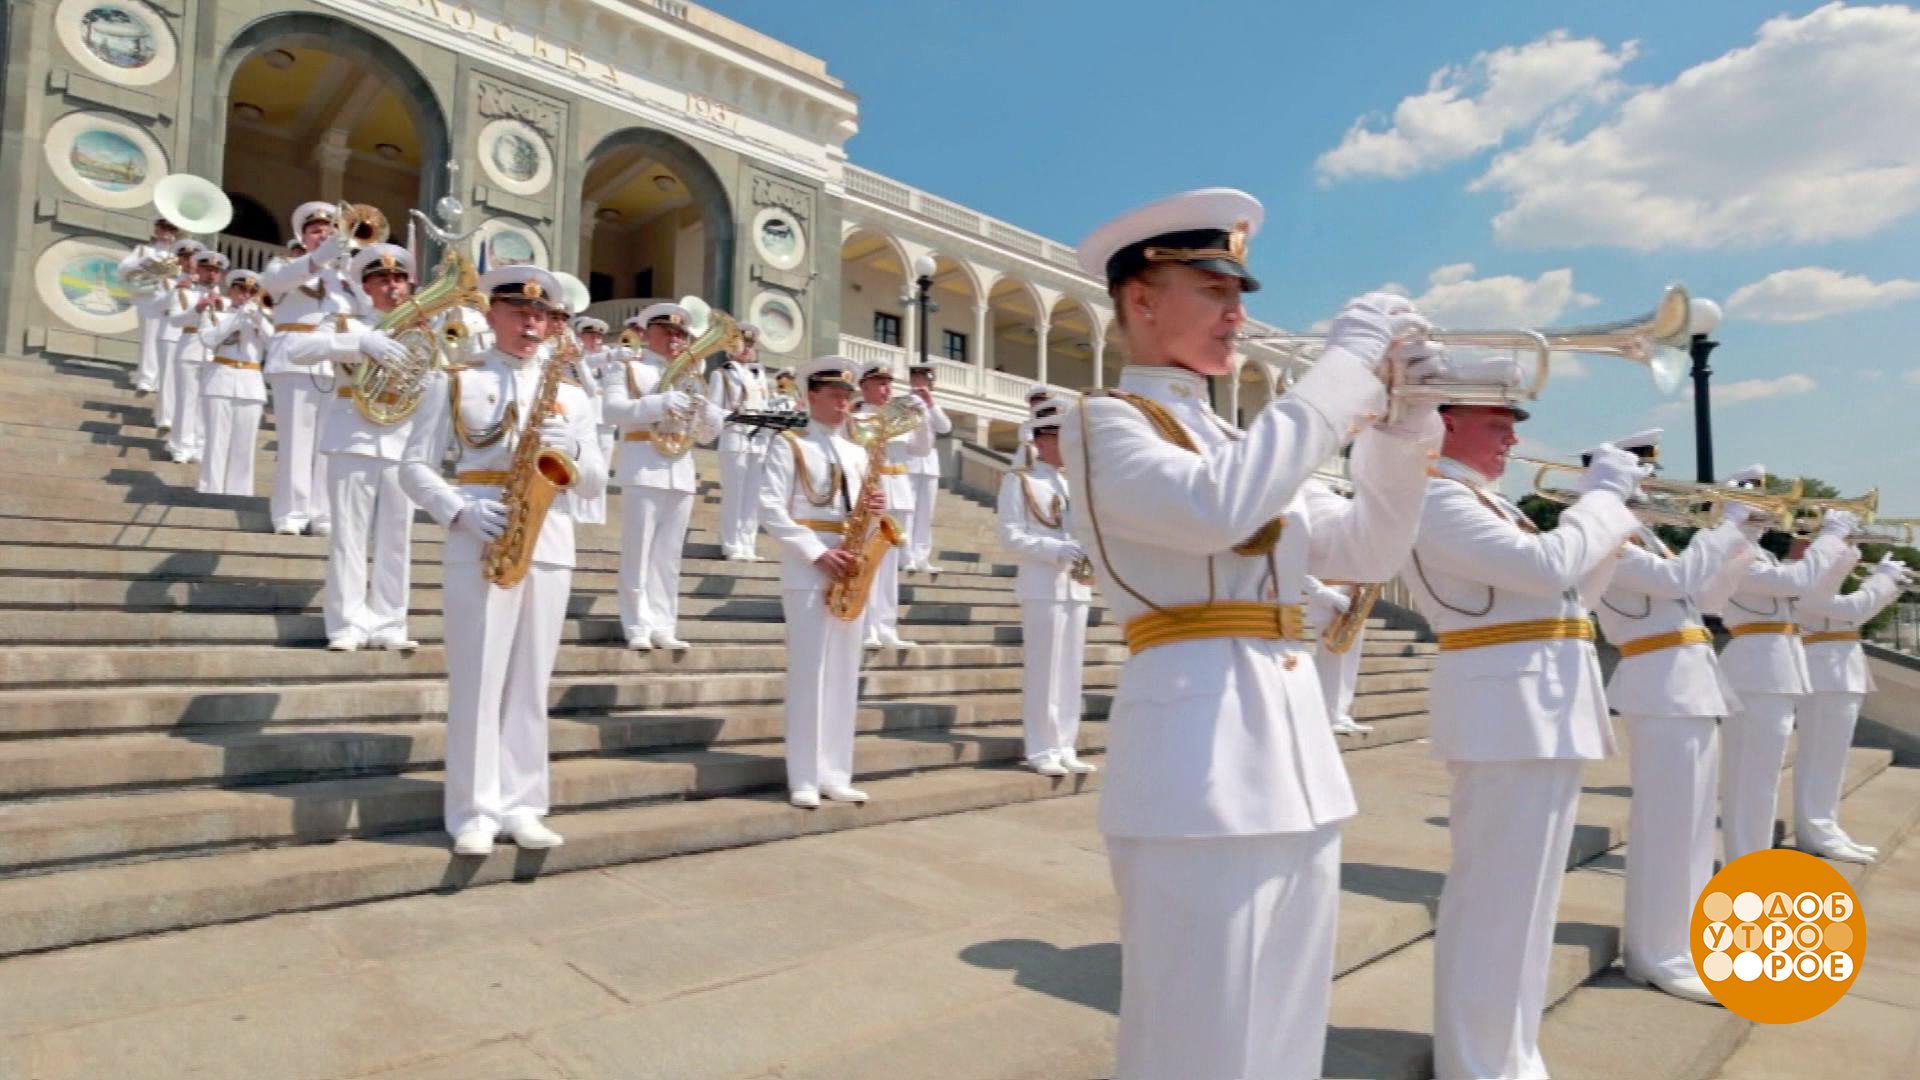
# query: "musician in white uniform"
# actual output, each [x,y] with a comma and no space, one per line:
[1517,706]
[163,407]
[656,491]
[1766,666]
[811,479]
[737,384]
[194,304]
[1224,789]
[1668,690]
[883,605]
[785,396]
[150,306]
[234,393]
[1837,670]
[308,290]
[1339,672]
[923,472]
[372,516]
[594,363]
[1053,603]
[501,642]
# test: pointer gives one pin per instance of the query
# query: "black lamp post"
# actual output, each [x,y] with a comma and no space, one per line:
[1705,316]
[922,298]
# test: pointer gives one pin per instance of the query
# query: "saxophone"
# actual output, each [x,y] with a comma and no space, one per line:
[866,537]
[720,332]
[388,395]
[1344,629]
[536,474]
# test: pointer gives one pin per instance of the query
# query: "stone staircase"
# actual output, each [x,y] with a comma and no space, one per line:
[177,749]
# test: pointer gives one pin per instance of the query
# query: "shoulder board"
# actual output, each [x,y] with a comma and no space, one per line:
[1163,421]
[463,366]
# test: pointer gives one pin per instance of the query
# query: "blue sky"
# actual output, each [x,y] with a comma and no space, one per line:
[1560,161]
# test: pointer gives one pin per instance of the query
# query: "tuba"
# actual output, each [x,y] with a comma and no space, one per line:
[536,474]
[388,395]
[865,536]
[718,333]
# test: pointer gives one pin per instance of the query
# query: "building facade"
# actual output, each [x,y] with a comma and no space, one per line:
[651,147]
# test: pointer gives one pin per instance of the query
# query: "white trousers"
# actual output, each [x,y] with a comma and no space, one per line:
[163,390]
[501,645]
[1338,673]
[1226,954]
[652,535]
[151,327]
[920,542]
[823,690]
[1820,767]
[232,431]
[372,519]
[1511,822]
[184,404]
[1054,640]
[594,511]
[1674,761]
[883,603]
[1753,750]
[739,502]
[300,492]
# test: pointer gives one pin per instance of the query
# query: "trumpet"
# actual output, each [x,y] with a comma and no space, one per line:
[1679,503]
[1655,340]
[363,223]
[1807,512]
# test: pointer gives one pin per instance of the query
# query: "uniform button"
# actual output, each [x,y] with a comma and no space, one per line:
[1292,662]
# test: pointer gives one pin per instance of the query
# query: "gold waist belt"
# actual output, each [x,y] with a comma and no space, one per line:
[837,528]
[190,329]
[1763,628]
[480,477]
[388,397]
[1220,619]
[243,365]
[1819,636]
[638,436]
[1515,632]
[1686,635]
[893,470]
[294,328]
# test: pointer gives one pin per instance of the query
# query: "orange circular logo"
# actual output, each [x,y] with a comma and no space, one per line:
[1778,936]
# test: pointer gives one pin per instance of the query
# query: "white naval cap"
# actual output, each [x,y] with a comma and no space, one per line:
[667,314]
[1644,443]
[587,324]
[210,258]
[784,373]
[750,331]
[876,369]
[242,276]
[312,211]
[381,259]
[1208,228]
[1039,391]
[1488,371]
[1046,405]
[829,370]
[187,249]
[523,283]
[1751,476]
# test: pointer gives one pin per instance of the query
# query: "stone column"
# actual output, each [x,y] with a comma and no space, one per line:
[1041,330]
[589,220]
[982,334]
[331,154]
[1099,361]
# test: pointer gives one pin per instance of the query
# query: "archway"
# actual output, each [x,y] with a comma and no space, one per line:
[873,281]
[318,108]
[655,223]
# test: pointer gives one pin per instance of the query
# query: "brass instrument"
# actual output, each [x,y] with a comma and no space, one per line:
[192,204]
[362,223]
[1656,340]
[1082,569]
[1679,503]
[717,333]
[389,394]
[866,537]
[1807,512]
[1890,531]
[152,275]
[1344,629]
[536,474]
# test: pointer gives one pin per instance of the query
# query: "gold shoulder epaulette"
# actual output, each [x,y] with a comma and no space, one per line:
[464,366]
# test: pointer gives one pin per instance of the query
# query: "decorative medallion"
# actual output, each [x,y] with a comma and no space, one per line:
[779,237]
[515,157]
[105,159]
[782,328]
[124,41]
[79,279]
[502,241]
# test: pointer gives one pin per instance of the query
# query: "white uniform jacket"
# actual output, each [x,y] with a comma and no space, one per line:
[631,406]
[468,400]
[1653,593]
[240,334]
[150,303]
[1840,667]
[902,449]
[188,322]
[1229,736]
[734,386]
[787,497]
[938,423]
[1476,566]
[1028,499]
[306,296]
[1765,593]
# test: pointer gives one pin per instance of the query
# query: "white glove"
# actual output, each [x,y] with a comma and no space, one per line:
[329,250]
[1614,470]
[483,519]
[1368,328]
[1069,554]
[1839,524]
[1736,514]
[677,404]
[382,349]
[556,433]
[916,404]
[1888,566]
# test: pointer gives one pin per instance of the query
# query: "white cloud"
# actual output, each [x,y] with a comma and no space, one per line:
[1455,298]
[1912,377]
[1472,107]
[1806,135]
[1872,374]
[1735,393]
[1814,292]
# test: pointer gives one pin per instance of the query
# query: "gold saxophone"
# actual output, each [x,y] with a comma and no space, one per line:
[1344,629]
[671,438]
[388,395]
[865,536]
[536,474]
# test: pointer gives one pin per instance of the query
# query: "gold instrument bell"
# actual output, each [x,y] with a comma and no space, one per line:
[363,224]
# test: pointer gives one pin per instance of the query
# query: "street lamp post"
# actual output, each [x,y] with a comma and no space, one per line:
[1703,318]
[922,298]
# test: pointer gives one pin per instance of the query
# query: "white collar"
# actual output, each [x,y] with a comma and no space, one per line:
[1466,474]
[1167,384]
[510,360]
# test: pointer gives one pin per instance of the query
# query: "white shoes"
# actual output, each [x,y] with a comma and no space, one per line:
[533,835]
[1844,852]
[872,642]
[1684,987]
[1347,726]
[319,528]
[805,798]
[346,641]
[640,642]
[844,793]
[1047,765]
[286,528]
[393,642]
[475,840]
[894,641]
[664,639]
[1074,765]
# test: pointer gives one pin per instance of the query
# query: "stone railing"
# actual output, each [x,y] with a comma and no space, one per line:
[961,387]
[617,311]
[890,192]
[246,254]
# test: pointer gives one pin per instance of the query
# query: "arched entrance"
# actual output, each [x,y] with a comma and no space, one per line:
[655,223]
[317,108]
